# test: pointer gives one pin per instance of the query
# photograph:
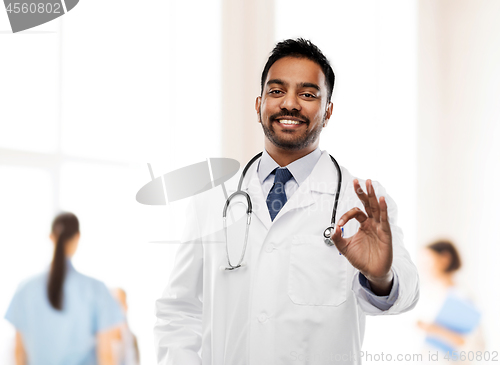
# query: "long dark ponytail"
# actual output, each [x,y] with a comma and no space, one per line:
[64,227]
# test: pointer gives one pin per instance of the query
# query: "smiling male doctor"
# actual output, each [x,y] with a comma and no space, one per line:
[296,300]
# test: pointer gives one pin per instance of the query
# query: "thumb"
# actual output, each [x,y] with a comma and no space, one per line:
[339,241]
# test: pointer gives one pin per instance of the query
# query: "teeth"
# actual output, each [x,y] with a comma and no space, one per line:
[286,121]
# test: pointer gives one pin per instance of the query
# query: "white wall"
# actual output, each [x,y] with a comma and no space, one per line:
[247,38]
[458,149]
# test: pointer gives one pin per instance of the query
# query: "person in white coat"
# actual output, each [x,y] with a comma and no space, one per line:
[294,300]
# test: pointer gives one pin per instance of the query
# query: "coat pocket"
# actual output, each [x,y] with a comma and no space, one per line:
[317,273]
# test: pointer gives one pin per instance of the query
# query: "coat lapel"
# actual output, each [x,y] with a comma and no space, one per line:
[252,185]
[323,179]
[300,199]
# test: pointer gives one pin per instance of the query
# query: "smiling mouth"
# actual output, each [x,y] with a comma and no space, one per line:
[289,121]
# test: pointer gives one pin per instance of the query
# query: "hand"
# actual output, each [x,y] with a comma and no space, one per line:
[370,249]
[427,327]
[445,334]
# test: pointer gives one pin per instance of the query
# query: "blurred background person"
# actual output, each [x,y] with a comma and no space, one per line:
[450,320]
[125,345]
[61,316]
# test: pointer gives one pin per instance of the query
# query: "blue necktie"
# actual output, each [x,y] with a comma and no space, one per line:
[276,198]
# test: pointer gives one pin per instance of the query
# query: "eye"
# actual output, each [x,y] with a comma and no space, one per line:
[275,92]
[308,95]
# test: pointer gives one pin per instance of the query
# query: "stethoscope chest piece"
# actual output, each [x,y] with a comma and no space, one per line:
[328,233]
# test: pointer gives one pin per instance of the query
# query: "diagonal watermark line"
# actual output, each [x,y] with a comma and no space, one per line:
[63,3]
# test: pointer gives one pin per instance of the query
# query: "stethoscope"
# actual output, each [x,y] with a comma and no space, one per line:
[326,234]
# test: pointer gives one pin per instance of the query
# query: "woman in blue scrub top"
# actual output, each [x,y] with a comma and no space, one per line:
[61,316]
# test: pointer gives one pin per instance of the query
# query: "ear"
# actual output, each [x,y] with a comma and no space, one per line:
[328,114]
[257,107]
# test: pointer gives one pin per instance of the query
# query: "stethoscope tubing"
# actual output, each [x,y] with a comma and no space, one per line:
[326,234]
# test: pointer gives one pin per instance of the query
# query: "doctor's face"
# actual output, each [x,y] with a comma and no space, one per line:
[293,108]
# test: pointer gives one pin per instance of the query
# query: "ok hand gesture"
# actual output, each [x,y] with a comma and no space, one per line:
[370,249]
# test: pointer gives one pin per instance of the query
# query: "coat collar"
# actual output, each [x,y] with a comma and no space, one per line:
[300,169]
[323,179]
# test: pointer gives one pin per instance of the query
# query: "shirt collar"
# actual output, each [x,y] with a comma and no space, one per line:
[300,169]
[69,265]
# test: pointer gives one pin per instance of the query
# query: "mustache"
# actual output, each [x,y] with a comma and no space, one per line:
[286,113]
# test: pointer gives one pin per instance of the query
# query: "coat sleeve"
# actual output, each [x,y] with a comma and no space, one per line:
[178,328]
[403,267]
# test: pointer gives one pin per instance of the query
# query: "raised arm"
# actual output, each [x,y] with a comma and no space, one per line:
[20,353]
[105,355]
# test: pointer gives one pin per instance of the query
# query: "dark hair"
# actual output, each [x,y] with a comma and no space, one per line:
[300,48]
[64,227]
[447,247]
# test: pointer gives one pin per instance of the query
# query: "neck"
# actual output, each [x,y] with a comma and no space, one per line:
[447,280]
[286,157]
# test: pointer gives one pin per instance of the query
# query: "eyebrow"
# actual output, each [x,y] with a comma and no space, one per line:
[301,85]
[276,81]
[309,84]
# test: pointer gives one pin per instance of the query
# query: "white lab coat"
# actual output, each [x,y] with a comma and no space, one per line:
[296,300]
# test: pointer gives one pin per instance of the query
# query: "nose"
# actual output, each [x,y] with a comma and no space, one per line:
[290,102]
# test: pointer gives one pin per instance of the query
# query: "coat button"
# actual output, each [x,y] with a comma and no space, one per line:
[269,248]
[262,318]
